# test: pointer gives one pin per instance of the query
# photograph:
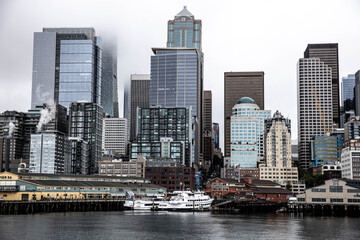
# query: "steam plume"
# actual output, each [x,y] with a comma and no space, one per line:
[11,128]
[47,114]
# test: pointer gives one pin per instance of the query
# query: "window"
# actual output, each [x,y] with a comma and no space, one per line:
[336,189]
[318,199]
[336,200]
[318,190]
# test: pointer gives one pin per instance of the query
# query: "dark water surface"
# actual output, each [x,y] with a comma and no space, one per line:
[173,225]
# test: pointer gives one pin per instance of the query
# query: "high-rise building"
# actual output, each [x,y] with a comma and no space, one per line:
[155,126]
[247,133]
[347,87]
[352,129]
[138,97]
[315,110]
[176,82]
[277,140]
[66,66]
[357,93]
[115,133]
[79,156]
[208,147]
[326,150]
[236,86]
[184,31]
[328,53]
[109,82]
[86,121]
[216,132]
[50,152]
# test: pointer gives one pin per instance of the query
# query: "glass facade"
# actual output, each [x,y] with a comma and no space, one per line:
[67,66]
[216,132]
[326,149]
[348,84]
[109,82]
[155,125]
[247,128]
[184,31]
[175,80]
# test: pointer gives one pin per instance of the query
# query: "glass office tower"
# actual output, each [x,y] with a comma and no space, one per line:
[348,84]
[66,66]
[175,80]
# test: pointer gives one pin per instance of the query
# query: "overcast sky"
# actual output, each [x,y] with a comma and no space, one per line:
[254,35]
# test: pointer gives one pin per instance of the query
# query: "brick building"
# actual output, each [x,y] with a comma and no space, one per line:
[173,178]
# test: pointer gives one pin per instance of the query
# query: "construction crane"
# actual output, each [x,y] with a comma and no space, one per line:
[328,131]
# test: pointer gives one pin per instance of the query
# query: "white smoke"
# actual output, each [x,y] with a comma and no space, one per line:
[47,114]
[11,128]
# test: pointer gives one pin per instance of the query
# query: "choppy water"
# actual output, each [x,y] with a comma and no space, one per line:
[174,225]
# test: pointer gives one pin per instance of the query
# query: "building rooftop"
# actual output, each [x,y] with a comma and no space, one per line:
[245,100]
[184,13]
[62,183]
[76,176]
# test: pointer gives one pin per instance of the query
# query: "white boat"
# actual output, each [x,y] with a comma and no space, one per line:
[146,203]
[182,201]
[187,200]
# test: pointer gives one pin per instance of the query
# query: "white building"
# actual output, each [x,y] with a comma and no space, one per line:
[277,140]
[49,153]
[350,160]
[115,132]
[314,82]
[247,127]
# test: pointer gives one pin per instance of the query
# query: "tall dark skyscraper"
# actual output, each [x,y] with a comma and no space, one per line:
[207,130]
[66,66]
[329,54]
[109,82]
[236,86]
[357,93]
[86,121]
[139,97]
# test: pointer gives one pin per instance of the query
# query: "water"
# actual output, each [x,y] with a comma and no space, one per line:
[175,225]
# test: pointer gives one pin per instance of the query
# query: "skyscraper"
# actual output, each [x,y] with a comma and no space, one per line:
[236,86]
[357,93]
[216,132]
[207,130]
[347,87]
[139,97]
[277,140]
[86,121]
[184,31]
[247,133]
[315,110]
[328,53]
[115,134]
[109,82]
[176,82]
[66,66]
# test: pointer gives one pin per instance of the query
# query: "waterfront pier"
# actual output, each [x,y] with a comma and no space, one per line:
[86,205]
